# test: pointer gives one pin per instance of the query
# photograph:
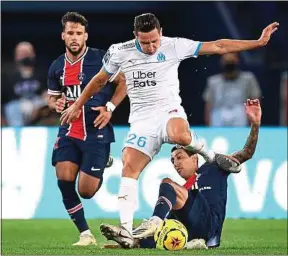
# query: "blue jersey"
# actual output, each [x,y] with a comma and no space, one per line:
[70,78]
[205,210]
[212,184]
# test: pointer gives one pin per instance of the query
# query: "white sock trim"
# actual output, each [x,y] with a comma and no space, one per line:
[86,232]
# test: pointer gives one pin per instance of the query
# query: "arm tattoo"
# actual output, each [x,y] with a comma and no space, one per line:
[248,150]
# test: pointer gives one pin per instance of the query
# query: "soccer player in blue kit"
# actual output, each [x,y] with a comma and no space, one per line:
[200,204]
[82,147]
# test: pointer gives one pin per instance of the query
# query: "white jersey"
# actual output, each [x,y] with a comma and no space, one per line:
[152,80]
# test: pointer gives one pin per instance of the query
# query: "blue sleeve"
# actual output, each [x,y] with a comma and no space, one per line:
[54,88]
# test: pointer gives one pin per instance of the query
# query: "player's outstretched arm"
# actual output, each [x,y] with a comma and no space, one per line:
[223,46]
[94,86]
[254,113]
[106,112]
[121,89]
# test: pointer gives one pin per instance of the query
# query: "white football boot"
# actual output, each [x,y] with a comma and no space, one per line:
[85,240]
[196,244]
[118,234]
[147,228]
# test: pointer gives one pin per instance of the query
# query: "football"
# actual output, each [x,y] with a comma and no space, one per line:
[171,235]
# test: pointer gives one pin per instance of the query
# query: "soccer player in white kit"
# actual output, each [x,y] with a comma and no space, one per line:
[150,64]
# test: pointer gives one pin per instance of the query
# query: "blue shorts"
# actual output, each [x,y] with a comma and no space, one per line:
[196,216]
[91,156]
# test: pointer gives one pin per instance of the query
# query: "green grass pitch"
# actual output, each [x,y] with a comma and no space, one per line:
[54,237]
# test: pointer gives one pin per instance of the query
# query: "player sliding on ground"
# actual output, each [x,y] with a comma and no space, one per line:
[200,204]
[150,64]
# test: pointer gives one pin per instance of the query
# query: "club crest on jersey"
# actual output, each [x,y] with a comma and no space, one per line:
[81,76]
[161,57]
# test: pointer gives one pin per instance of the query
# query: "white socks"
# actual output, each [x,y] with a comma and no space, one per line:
[86,232]
[156,220]
[128,194]
[197,146]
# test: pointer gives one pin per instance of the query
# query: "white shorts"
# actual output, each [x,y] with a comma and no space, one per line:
[148,135]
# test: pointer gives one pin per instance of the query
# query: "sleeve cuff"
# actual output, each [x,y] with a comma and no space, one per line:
[105,69]
[51,92]
[197,49]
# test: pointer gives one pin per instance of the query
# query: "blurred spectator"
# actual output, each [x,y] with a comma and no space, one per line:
[284,101]
[226,93]
[3,121]
[23,94]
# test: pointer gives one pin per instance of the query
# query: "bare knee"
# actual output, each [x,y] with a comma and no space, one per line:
[86,194]
[167,180]
[183,139]
[178,131]
[66,171]
[181,193]
[88,185]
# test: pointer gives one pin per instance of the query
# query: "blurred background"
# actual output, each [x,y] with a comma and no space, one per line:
[31,41]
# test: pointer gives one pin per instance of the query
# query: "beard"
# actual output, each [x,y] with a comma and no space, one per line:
[75,52]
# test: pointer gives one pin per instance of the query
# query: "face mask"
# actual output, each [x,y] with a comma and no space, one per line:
[230,67]
[28,62]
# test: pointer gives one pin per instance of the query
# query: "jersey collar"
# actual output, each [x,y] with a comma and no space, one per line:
[138,47]
[80,58]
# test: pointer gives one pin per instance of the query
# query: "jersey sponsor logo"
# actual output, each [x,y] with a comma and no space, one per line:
[161,57]
[143,79]
[126,46]
[72,92]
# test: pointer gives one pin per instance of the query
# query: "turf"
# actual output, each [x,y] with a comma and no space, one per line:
[54,237]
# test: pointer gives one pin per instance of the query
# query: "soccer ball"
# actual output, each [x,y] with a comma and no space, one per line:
[171,235]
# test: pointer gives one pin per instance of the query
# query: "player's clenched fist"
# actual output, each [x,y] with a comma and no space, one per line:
[60,104]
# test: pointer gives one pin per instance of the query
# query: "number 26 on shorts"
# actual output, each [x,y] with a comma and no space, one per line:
[139,141]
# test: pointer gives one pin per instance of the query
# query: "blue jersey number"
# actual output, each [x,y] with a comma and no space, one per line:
[140,141]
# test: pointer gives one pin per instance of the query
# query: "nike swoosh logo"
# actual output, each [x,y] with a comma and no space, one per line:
[95,169]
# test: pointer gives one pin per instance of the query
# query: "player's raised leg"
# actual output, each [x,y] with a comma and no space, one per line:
[95,157]
[178,132]
[171,196]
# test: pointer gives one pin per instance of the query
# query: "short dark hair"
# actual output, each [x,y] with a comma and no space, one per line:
[146,22]
[189,153]
[74,17]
